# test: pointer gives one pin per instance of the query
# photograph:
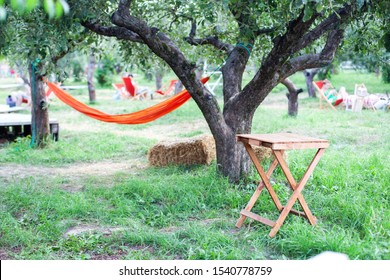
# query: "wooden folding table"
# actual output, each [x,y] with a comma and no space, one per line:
[279,143]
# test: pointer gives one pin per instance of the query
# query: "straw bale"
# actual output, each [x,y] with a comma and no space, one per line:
[188,151]
[197,150]
[263,153]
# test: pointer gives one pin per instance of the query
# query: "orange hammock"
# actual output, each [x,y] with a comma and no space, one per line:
[142,116]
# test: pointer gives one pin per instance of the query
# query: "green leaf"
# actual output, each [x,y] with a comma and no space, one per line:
[1,2]
[360,3]
[319,8]
[308,13]
[65,6]
[30,5]
[3,14]
[18,5]
[59,10]
[50,8]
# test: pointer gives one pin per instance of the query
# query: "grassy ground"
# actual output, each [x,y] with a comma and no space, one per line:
[92,195]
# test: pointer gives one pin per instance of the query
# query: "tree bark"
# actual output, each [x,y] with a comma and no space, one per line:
[159,76]
[90,73]
[292,97]
[309,77]
[39,112]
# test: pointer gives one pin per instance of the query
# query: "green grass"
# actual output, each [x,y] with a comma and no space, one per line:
[190,212]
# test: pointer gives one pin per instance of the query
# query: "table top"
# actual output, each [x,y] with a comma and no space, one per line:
[283,141]
[8,109]
[19,119]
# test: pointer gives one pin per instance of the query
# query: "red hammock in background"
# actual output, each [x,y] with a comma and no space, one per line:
[142,116]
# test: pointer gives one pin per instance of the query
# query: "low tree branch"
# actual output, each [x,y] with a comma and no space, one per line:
[210,40]
[332,22]
[318,60]
[112,31]
[71,44]
[263,31]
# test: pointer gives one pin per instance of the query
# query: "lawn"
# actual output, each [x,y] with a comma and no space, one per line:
[92,194]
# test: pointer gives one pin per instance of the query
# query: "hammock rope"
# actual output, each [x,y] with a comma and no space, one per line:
[143,116]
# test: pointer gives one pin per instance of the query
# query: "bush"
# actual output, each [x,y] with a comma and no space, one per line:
[105,71]
[386,73]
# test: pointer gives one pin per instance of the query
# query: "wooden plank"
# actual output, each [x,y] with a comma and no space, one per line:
[8,109]
[282,141]
[293,185]
[19,119]
[257,193]
[263,176]
[299,146]
[257,218]
[296,193]
[323,97]
[281,137]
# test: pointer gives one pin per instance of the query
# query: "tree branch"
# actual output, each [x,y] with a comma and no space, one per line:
[318,60]
[330,23]
[262,31]
[113,31]
[210,40]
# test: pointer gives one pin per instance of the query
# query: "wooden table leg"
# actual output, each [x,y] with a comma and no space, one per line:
[264,176]
[256,194]
[297,191]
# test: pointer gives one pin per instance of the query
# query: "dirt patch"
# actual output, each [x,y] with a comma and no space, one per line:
[3,255]
[116,255]
[81,229]
[160,132]
[171,229]
[120,253]
[104,168]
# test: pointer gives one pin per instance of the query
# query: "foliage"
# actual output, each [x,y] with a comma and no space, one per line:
[386,73]
[53,8]
[34,37]
[105,70]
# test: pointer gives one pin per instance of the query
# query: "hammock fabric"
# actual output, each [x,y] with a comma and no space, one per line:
[143,116]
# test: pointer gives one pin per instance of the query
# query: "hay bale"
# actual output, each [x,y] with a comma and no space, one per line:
[262,153]
[197,150]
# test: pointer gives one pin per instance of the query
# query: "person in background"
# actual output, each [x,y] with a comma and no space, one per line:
[142,92]
[10,102]
[331,93]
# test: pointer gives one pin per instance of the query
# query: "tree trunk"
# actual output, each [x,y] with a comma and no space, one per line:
[232,159]
[309,76]
[90,73]
[39,112]
[292,97]
[159,76]
[178,87]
